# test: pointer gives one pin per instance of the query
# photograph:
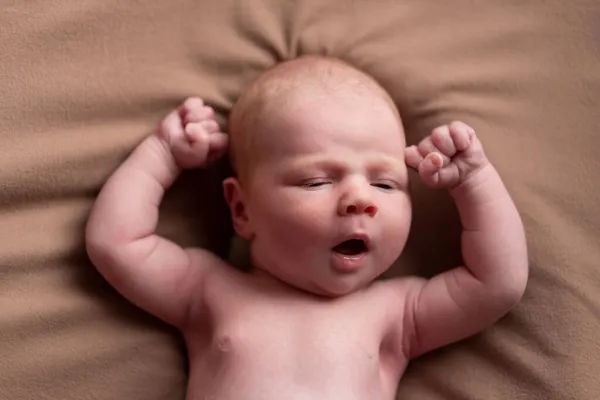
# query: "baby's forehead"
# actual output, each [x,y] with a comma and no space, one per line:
[300,83]
[302,80]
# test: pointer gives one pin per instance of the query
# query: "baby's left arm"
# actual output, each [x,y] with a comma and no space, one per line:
[465,300]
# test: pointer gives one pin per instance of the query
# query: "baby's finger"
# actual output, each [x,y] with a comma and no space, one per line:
[195,132]
[440,137]
[197,139]
[217,153]
[171,127]
[193,102]
[412,157]
[189,107]
[210,125]
[429,169]
[218,141]
[190,104]
[449,176]
[461,135]
[190,154]
[426,146]
[198,115]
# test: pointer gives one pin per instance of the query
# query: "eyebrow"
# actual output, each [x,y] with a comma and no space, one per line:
[379,165]
[320,162]
[383,165]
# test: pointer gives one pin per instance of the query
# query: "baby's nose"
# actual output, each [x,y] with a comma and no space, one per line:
[357,202]
[362,207]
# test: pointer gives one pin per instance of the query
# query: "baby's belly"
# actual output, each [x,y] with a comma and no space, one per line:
[232,371]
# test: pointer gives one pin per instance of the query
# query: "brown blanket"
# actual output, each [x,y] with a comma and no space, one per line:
[81,82]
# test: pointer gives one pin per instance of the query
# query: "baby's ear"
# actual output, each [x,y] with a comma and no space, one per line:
[236,199]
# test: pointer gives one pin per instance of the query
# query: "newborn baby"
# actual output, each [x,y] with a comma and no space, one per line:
[321,194]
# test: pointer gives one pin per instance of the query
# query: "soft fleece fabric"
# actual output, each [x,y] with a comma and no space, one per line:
[82,82]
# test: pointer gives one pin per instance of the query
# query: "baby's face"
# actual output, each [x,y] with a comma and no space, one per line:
[328,201]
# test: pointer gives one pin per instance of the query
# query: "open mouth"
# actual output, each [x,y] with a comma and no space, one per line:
[351,247]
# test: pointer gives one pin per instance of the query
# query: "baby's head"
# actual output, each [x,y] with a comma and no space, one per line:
[321,186]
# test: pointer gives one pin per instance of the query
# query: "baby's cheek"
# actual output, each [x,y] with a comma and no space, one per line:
[309,227]
[396,227]
[300,211]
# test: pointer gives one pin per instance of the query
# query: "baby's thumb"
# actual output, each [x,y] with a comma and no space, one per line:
[218,142]
[190,154]
[430,167]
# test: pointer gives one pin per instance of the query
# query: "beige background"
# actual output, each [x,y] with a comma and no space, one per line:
[81,83]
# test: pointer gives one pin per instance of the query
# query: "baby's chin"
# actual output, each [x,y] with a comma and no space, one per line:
[334,287]
[330,285]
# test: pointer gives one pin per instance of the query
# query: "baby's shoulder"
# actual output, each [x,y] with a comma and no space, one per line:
[397,288]
[216,273]
[213,268]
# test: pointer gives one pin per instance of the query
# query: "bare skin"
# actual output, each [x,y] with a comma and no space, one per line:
[277,333]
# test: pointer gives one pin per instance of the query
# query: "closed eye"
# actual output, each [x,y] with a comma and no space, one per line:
[314,184]
[382,186]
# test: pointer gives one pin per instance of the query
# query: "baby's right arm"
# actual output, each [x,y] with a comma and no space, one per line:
[152,272]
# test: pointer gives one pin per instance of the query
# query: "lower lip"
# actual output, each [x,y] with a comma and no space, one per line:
[346,263]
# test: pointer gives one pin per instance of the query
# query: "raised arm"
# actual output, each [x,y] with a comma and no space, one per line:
[465,300]
[152,272]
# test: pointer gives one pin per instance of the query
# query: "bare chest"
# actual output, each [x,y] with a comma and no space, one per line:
[272,341]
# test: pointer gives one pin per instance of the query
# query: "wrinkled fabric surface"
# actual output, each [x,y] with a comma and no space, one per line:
[81,83]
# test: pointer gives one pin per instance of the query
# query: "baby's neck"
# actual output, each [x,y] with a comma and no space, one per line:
[271,282]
